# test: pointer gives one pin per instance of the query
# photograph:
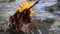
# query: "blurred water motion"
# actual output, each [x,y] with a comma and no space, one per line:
[8,9]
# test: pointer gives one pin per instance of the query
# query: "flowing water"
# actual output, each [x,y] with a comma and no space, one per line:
[8,9]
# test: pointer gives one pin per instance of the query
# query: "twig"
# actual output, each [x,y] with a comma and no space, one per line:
[37,28]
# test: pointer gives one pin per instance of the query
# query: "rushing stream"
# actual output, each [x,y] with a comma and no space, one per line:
[8,9]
